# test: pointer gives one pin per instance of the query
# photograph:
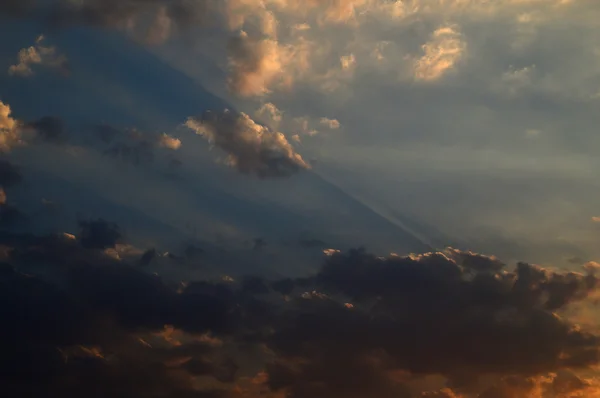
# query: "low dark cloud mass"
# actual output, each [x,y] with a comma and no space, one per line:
[250,147]
[78,321]
[433,314]
[99,234]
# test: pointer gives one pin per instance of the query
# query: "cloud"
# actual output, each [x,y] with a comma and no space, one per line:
[256,64]
[250,147]
[9,129]
[39,54]
[495,322]
[332,124]
[154,20]
[363,325]
[133,146]
[99,234]
[169,142]
[101,328]
[441,53]
[271,114]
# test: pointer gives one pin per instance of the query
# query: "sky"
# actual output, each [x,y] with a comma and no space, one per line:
[284,198]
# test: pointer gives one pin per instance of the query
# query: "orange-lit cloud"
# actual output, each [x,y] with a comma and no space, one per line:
[41,55]
[166,141]
[250,147]
[441,53]
[9,128]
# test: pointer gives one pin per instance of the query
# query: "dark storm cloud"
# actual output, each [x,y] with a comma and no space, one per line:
[342,332]
[77,332]
[456,314]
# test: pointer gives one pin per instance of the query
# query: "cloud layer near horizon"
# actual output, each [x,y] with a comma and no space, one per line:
[83,320]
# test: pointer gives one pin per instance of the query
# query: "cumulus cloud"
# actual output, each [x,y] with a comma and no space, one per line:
[496,323]
[9,128]
[332,124]
[251,148]
[38,54]
[258,64]
[440,54]
[169,142]
[271,114]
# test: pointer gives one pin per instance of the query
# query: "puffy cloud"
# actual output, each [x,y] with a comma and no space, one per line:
[441,53]
[332,124]
[38,54]
[495,322]
[271,114]
[251,148]
[275,119]
[169,142]
[9,128]
[258,64]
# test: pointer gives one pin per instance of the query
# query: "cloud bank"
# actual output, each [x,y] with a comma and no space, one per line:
[82,320]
